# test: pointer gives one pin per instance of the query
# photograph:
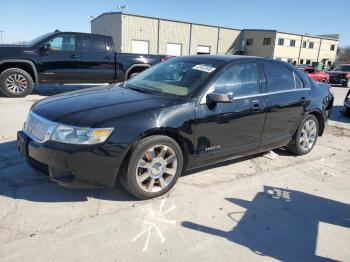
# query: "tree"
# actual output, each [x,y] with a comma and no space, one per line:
[343,55]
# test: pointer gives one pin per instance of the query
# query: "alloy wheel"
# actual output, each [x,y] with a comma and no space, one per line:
[16,83]
[156,169]
[308,135]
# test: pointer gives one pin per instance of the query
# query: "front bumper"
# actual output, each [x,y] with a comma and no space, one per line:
[337,80]
[73,164]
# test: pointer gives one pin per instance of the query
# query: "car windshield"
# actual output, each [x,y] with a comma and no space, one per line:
[342,68]
[174,77]
[37,40]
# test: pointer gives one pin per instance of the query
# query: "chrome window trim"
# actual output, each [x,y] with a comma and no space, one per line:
[51,128]
[204,98]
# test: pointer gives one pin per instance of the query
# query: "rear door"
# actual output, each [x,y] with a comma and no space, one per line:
[287,99]
[98,59]
[62,62]
[224,129]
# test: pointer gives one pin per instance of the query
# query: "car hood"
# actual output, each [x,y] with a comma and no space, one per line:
[336,72]
[93,107]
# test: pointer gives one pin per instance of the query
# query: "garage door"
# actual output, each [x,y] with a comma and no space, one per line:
[174,49]
[203,50]
[139,47]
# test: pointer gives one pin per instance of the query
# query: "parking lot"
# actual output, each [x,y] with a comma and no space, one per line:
[266,207]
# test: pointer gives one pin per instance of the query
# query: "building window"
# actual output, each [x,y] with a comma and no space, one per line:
[139,47]
[332,47]
[249,41]
[267,41]
[311,45]
[329,63]
[278,58]
[280,41]
[301,61]
[292,43]
[304,44]
[308,62]
[203,50]
[174,49]
[290,60]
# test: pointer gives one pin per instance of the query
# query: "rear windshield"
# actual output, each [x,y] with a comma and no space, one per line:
[175,77]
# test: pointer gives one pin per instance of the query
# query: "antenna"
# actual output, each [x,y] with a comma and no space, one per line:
[122,7]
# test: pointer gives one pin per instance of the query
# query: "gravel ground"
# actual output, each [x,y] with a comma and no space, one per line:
[260,208]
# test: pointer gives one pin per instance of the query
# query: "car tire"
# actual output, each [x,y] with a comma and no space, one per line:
[348,83]
[305,137]
[324,81]
[155,164]
[15,82]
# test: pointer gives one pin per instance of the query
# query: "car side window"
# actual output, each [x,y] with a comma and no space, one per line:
[240,79]
[279,77]
[66,43]
[93,44]
[298,82]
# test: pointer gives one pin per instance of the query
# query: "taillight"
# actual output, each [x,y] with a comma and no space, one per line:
[348,76]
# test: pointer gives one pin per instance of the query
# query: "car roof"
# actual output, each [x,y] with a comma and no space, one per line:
[225,58]
[77,33]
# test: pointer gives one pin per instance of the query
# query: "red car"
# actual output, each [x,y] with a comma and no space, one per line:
[315,74]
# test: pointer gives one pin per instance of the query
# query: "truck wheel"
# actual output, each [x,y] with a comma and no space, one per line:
[15,82]
[305,137]
[154,167]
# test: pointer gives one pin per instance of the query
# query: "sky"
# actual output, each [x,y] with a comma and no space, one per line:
[23,20]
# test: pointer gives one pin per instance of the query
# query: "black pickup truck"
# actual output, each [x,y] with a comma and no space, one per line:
[66,58]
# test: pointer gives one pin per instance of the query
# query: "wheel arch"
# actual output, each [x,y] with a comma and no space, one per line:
[321,120]
[23,64]
[135,68]
[184,144]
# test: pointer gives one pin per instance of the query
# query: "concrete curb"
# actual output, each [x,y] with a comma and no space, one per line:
[337,130]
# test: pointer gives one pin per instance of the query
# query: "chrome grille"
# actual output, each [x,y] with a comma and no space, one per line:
[38,128]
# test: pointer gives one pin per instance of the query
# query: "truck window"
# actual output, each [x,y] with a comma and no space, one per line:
[94,44]
[66,43]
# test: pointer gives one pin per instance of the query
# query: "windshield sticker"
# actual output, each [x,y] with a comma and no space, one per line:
[204,68]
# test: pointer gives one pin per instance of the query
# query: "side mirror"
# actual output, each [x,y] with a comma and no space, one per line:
[46,47]
[220,97]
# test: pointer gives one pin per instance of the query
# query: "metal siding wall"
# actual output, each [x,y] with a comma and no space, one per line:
[204,35]
[258,49]
[229,41]
[109,24]
[174,33]
[326,52]
[308,53]
[284,52]
[139,28]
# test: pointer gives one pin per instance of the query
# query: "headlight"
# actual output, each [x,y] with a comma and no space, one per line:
[80,136]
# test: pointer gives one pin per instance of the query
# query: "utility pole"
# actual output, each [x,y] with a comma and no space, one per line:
[2,41]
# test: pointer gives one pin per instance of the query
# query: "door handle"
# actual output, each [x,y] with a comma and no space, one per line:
[257,108]
[303,100]
[74,56]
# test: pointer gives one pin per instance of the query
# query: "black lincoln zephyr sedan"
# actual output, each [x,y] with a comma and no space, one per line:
[182,114]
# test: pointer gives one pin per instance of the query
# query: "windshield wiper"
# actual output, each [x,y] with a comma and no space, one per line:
[141,90]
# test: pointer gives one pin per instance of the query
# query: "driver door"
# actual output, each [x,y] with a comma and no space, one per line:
[231,128]
[61,62]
